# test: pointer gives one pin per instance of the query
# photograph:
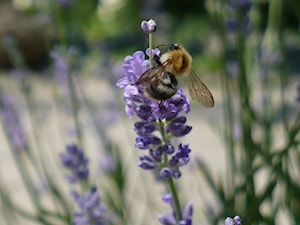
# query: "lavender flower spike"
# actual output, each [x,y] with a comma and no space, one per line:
[164,117]
[158,123]
[235,221]
[75,161]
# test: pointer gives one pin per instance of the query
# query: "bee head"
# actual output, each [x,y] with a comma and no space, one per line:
[175,47]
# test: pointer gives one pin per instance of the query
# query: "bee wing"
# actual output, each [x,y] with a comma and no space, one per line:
[198,91]
[150,75]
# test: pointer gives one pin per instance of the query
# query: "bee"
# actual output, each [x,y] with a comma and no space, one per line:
[160,82]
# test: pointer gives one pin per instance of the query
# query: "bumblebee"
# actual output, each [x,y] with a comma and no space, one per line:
[160,82]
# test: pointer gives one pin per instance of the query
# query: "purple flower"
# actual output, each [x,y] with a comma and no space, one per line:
[166,172]
[170,218]
[146,141]
[148,26]
[144,128]
[75,161]
[181,157]
[91,210]
[146,162]
[235,221]
[157,123]
[178,128]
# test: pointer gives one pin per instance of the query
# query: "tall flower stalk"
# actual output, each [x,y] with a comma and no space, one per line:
[159,123]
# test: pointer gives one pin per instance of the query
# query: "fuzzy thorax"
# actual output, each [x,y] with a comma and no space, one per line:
[177,61]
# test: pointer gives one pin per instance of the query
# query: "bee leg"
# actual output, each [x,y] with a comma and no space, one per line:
[159,102]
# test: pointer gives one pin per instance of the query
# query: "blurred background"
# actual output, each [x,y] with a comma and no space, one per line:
[112,27]
[60,61]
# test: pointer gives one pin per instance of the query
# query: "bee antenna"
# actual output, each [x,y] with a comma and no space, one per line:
[162,45]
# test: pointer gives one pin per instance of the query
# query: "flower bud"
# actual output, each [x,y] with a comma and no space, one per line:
[148,26]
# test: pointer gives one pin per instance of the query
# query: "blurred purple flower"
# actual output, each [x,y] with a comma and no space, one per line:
[41,185]
[117,69]
[63,61]
[241,5]
[154,117]
[91,210]
[232,68]
[237,131]
[150,8]
[75,161]
[240,20]
[12,123]
[269,58]
[298,93]
[170,218]
[61,68]
[233,24]
[65,3]
[235,221]
[108,163]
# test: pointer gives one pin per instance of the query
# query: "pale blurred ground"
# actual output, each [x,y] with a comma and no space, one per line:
[143,192]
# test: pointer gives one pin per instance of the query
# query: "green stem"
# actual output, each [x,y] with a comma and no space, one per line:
[175,199]
[171,184]
[164,138]
[150,49]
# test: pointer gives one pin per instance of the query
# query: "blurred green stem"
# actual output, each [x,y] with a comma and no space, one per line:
[8,212]
[271,49]
[228,112]
[228,108]
[246,118]
[74,101]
